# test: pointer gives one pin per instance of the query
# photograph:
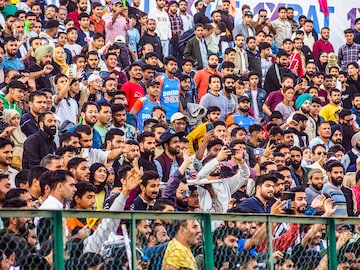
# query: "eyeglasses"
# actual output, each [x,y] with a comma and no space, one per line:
[184,193]
[319,153]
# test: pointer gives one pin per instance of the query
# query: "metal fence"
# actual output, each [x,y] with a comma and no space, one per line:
[207,220]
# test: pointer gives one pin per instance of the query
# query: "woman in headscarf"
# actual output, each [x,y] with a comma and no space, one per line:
[60,58]
[12,117]
[98,175]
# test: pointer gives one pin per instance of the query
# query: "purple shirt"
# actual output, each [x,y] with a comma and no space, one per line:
[273,99]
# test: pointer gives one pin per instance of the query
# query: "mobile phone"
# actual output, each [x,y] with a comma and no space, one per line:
[272,142]
[259,152]
[209,127]
[287,195]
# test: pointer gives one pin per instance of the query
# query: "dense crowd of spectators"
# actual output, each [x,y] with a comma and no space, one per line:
[106,107]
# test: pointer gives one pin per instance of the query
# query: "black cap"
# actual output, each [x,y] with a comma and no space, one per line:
[243,98]
[168,134]
[150,54]
[152,82]
[249,13]
[183,77]
[276,115]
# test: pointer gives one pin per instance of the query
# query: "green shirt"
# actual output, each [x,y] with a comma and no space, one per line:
[8,105]
[102,131]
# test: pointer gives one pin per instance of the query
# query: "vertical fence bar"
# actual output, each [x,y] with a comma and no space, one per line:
[209,254]
[58,241]
[269,243]
[332,256]
[133,241]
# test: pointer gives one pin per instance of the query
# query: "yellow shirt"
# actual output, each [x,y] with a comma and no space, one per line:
[99,200]
[198,135]
[179,256]
[328,112]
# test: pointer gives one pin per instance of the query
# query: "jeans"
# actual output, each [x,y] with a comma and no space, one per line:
[165,47]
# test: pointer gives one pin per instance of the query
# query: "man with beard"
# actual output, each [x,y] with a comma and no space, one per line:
[177,28]
[169,87]
[356,107]
[29,121]
[89,114]
[301,139]
[81,7]
[328,111]
[346,121]
[147,145]
[290,17]
[168,162]
[332,189]
[337,135]
[185,94]
[6,158]
[196,48]
[92,62]
[10,61]
[150,37]
[119,116]
[277,70]
[241,117]
[148,74]
[43,69]
[300,173]
[259,203]
[79,167]
[132,88]
[144,105]
[109,90]
[310,70]
[188,234]
[187,19]
[323,44]
[303,104]
[202,76]
[41,143]
[228,93]
[316,183]
[351,83]
[257,135]
[279,186]
[149,187]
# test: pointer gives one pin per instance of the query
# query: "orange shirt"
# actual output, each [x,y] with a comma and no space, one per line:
[99,26]
[202,81]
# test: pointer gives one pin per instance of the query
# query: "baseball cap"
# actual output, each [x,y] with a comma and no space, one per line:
[243,98]
[178,116]
[249,13]
[150,54]
[93,77]
[116,1]
[120,38]
[152,82]
[168,134]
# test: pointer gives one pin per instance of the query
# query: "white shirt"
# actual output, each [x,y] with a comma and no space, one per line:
[188,21]
[163,26]
[257,117]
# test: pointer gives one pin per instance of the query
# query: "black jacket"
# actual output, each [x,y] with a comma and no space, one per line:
[148,165]
[36,147]
[154,41]
[273,77]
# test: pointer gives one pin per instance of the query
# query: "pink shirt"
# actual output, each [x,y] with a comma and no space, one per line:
[119,27]
[356,191]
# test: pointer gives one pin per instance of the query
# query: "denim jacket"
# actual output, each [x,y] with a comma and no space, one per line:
[261,97]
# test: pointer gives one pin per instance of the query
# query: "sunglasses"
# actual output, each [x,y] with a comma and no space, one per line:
[319,153]
[184,192]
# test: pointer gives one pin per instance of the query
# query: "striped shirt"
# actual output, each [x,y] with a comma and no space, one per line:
[338,199]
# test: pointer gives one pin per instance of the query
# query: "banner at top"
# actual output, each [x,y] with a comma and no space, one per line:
[342,14]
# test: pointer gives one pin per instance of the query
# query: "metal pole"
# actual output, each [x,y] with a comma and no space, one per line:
[269,243]
[332,256]
[209,254]
[58,241]
[133,241]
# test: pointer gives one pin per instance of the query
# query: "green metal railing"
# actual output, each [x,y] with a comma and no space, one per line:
[206,219]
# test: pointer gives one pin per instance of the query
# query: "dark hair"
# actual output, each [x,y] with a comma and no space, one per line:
[236,130]
[219,123]
[336,148]
[235,142]
[264,164]
[316,146]
[297,189]
[261,179]
[12,203]
[75,162]
[34,173]
[332,164]
[296,148]
[58,176]
[214,76]
[169,59]
[82,129]
[83,15]
[15,193]
[117,108]
[4,142]
[17,85]
[88,103]
[213,109]
[149,175]
[66,137]
[110,135]
[83,187]
[142,136]
[48,159]
[227,64]
[255,127]
[42,116]
[161,203]
[21,177]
